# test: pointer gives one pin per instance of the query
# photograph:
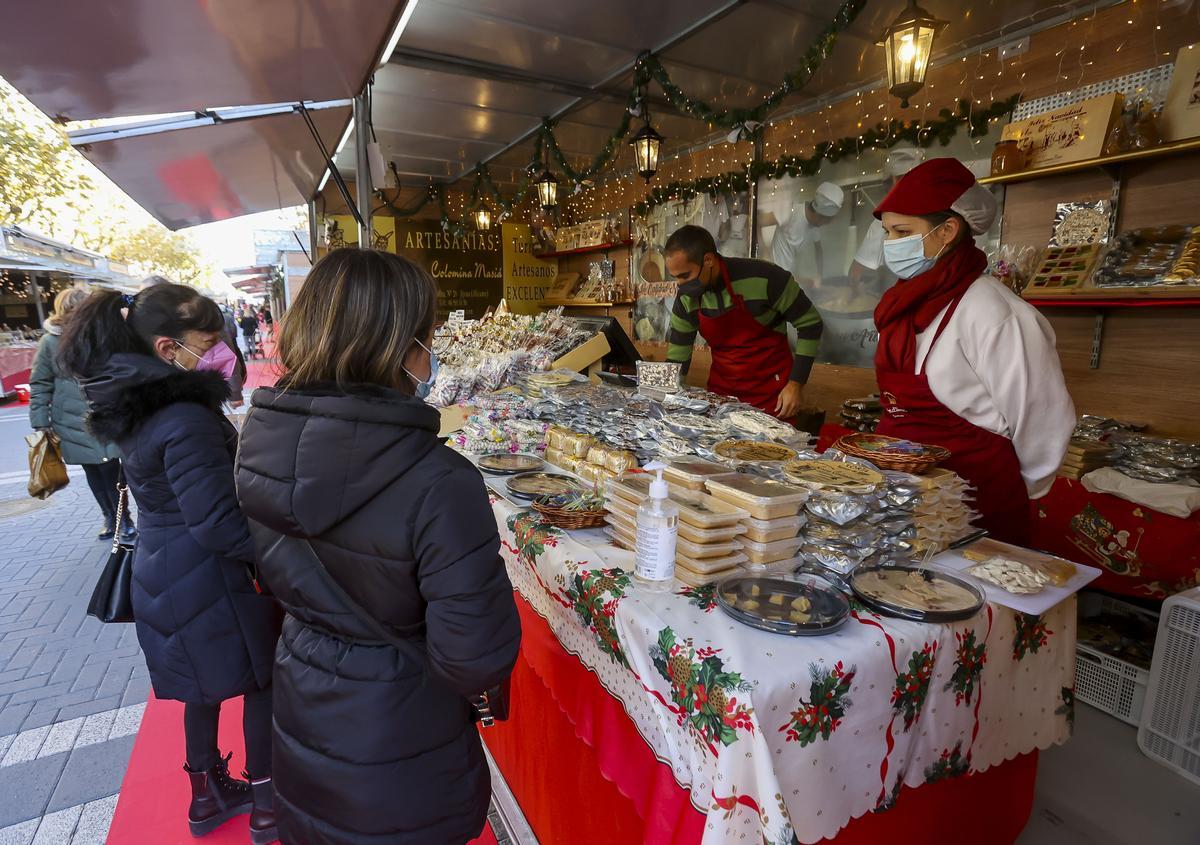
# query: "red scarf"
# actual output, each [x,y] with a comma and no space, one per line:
[909,306]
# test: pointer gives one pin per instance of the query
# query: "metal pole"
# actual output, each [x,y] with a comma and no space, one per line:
[362,169]
[35,288]
[758,157]
[313,231]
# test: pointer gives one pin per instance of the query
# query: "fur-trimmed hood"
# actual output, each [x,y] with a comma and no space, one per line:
[132,388]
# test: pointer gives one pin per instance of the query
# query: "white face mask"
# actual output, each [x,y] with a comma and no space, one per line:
[906,256]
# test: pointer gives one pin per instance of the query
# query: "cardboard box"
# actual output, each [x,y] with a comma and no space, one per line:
[1073,133]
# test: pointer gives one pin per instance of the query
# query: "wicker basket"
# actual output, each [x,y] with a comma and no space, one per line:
[913,464]
[563,518]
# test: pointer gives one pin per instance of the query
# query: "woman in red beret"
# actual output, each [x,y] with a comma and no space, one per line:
[962,362]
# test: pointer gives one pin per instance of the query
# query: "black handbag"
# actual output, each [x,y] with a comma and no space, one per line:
[489,706]
[111,600]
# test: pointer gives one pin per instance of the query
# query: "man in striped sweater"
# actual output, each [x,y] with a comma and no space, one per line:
[742,307]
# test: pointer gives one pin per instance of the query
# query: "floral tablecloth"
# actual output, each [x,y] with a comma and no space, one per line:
[776,736]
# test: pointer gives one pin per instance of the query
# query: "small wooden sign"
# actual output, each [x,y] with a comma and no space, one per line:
[1073,133]
[1181,112]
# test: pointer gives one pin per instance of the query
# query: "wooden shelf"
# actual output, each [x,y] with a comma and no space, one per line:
[584,250]
[1135,301]
[582,303]
[1171,148]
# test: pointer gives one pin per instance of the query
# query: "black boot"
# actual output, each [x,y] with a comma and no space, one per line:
[216,797]
[262,820]
[128,531]
[108,528]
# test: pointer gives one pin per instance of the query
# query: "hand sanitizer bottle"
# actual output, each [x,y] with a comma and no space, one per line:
[657,525]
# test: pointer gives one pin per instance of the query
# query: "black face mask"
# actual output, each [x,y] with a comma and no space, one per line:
[694,287]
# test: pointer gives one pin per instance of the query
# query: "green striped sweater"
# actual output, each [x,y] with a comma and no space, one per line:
[772,297]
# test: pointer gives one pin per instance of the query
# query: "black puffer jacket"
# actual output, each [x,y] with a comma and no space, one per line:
[56,401]
[365,751]
[207,635]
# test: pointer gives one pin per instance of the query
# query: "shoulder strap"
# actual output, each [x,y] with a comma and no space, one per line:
[376,627]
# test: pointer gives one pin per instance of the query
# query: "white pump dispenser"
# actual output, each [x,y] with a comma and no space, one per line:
[657,527]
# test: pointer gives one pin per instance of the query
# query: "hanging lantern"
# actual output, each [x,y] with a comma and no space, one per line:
[908,43]
[646,146]
[547,188]
[483,219]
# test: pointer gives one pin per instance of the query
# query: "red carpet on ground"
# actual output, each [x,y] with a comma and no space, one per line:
[152,809]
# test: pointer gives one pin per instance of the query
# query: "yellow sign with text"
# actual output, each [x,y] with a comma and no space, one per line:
[526,277]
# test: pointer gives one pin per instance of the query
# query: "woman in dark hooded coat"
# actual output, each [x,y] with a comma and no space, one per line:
[371,531]
[206,632]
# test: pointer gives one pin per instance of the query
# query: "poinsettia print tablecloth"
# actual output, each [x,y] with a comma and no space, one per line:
[777,735]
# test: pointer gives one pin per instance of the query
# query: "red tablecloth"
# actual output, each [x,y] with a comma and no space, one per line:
[1142,552]
[15,365]
[582,773]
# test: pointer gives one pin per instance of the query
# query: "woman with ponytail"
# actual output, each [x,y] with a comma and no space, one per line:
[149,366]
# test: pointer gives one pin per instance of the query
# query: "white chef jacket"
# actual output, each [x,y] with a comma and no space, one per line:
[870,251]
[792,234]
[996,366]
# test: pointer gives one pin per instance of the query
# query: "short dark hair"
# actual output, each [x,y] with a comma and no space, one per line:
[693,241]
[97,330]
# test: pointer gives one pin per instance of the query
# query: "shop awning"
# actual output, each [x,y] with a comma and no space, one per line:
[79,60]
[471,81]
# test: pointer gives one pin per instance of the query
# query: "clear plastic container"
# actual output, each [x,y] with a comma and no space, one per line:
[762,498]
[615,504]
[709,565]
[692,474]
[770,530]
[697,509]
[703,551]
[704,511]
[699,579]
[621,539]
[709,535]
[622,522]
[763,553]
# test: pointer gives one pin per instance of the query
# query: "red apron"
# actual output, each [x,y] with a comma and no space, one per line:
[749,360]
[986,460]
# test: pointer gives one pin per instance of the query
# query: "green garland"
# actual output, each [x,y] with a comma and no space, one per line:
[794,81]
[882,136]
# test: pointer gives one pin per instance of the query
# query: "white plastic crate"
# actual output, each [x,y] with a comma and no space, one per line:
[1170,727]
[1109,683]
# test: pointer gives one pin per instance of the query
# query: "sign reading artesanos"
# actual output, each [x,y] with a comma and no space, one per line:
[526,277]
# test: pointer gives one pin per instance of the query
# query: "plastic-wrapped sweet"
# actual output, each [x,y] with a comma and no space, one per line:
[862,537]
[837,508]
[839,558]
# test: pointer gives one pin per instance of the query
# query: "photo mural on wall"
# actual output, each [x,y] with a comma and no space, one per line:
[726,217]
[822,229]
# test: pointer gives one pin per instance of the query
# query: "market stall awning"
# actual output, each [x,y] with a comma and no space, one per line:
[471,82]
[83,60]
[191,176]
[180,64]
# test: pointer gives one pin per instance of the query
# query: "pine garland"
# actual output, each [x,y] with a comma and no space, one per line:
[882,136]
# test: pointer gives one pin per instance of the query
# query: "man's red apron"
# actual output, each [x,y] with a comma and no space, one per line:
[749,360]
[986,460]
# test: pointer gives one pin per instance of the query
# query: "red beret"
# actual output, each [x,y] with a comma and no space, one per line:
[930,187]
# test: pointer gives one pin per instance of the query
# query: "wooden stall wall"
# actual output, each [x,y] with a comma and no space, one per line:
[1150,361]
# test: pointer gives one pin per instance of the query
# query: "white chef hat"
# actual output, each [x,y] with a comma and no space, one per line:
[828,200]
[978,207]
[902,158]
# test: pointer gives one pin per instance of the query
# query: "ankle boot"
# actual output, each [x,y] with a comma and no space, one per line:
[216,797]
[128,531]
[262,819]
[107,529]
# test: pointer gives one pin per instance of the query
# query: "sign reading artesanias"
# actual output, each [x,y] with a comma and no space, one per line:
[468,269]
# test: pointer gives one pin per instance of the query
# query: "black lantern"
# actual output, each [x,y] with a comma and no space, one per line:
[547,188]
[483,219]
[908,43]
[647,144]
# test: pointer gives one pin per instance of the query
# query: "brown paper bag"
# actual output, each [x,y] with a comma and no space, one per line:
[47,472]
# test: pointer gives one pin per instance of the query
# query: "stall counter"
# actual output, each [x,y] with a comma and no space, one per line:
[720,733]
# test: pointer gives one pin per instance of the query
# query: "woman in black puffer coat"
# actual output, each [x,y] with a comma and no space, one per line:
[207,634]
[373,744]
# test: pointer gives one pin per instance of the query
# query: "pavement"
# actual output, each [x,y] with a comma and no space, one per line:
[72,690]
